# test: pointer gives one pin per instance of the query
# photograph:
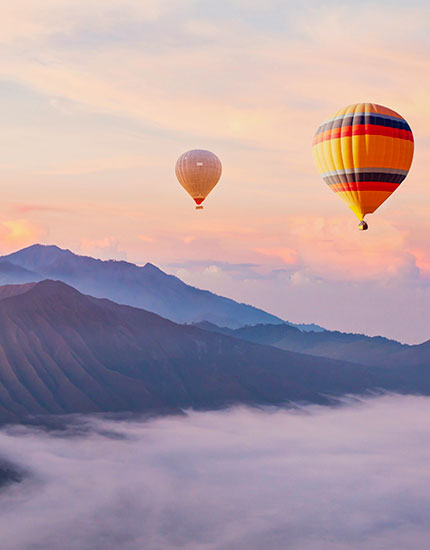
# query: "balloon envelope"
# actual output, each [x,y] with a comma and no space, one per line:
[363,153]
[198,171]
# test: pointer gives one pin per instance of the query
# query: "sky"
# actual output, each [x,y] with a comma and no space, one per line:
[316,478]
[98,100]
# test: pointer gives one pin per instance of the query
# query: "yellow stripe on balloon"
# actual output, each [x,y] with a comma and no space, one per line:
[370,151]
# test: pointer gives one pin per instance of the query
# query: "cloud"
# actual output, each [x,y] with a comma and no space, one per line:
[307,479]
[422,257]
[108,164]
[28,208]
[287,255]
[327,249]
[141,63]
[107,248]
[215,272]
[392,305]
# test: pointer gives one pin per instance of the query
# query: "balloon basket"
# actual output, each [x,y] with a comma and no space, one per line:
[362,226]
[199,207]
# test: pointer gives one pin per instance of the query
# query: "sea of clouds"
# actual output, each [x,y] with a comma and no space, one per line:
[315,478]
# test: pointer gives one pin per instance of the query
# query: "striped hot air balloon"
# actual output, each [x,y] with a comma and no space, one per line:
[363,153]
[198,171]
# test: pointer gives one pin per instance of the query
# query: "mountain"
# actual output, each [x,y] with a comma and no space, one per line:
[64,352]
[14,274]
[147,287]
[413,356]
[6,291]
[358,348]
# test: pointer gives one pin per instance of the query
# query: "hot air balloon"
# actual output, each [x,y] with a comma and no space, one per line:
[198,171]
[363,153]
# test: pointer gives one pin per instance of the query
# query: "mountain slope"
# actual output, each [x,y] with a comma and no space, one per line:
[356,348]
[62,352]
[147,287]
[15,274]
[6,291]
[413,356]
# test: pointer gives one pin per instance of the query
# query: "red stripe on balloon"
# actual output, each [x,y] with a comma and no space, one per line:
[363,130]
[364,186]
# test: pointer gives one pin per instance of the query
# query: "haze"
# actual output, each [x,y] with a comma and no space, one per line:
[315,478]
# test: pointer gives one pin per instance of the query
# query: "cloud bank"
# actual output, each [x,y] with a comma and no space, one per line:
[387,304]
[310,479]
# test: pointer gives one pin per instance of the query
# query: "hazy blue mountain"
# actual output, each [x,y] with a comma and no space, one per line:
[15,274]
[147,287]
[62,352]
[412,356]
[307,327]
[357,348]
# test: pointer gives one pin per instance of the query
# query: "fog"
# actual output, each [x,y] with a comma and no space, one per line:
[314,478]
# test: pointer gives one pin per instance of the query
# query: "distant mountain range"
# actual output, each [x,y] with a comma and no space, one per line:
[63,352]
[146,287]
[358,348]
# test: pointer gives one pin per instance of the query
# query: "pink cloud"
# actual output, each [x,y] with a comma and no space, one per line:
[287,255]
[32,208]
[333,247]
[422,259]
[106,248]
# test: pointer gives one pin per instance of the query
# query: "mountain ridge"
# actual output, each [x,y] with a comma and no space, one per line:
[147,287]
[63,352]
[356,348]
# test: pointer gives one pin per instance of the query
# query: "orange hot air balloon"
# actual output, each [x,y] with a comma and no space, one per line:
[363,153]
[198,171]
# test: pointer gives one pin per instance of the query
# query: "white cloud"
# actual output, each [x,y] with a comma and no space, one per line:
[312,479]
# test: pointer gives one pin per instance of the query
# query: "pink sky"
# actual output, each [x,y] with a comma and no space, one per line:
[100,98]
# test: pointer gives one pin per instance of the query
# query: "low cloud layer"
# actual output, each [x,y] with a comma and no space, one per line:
[311,479]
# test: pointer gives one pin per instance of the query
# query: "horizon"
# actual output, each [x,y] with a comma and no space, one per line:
[309,322]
